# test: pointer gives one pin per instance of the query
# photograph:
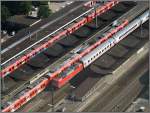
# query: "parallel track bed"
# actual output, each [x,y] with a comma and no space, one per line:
[44,32]
[28,53]
[126,44]
[77,34]
[28,70]
[97,71]
[127,87]
[24,32]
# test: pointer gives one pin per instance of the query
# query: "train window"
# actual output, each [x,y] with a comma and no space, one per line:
[4,73]
[10,69]
[18,64]
[78,25]
[84,21]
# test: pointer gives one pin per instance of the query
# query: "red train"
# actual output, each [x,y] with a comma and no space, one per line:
[68,67]
[67,75]
[39,85]
[76,60]
[26,57]
[85,55]
[88,53]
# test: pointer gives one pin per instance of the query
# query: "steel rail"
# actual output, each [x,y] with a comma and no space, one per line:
[27,57]
[42,85]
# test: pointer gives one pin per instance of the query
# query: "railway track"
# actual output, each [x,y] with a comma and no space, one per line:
[29,70]
[76,82]
[127,87]
[42,30]
[76,35]
[93,74]
[18,58]
[125,43]
[42,24]
[60,47]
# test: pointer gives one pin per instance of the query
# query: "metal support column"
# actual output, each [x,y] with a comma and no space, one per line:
[36,35]
[52,90]
[96,19]
[29,34]
[3,84]
[141,29]
[134,106]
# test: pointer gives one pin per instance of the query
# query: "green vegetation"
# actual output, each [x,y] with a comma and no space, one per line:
[18,7]
[38,3]
[10,8]
[25,7]
[44,11]
[4,13]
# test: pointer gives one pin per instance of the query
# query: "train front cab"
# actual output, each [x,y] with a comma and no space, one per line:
[60,81]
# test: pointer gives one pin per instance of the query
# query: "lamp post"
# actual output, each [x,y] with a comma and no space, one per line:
[52,90]
[134,105]
[72,95]
[95,19]
[141,29]
[29,33]
[3,83]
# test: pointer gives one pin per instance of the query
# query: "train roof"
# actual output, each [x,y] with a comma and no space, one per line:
[96,50]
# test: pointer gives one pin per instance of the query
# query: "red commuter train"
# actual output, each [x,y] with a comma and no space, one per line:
[16,63]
